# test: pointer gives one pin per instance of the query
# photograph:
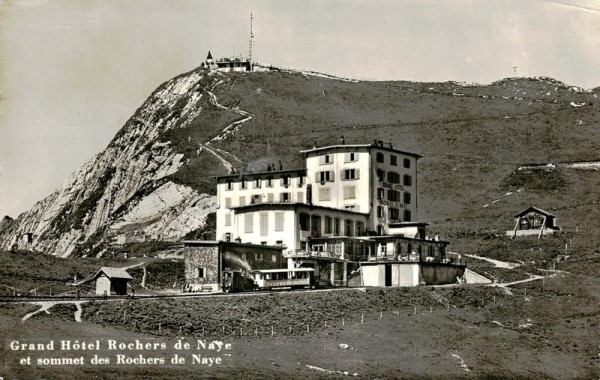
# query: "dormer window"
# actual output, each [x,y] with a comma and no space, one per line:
[229,185]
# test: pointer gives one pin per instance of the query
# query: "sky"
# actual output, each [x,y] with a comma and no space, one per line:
[73,71]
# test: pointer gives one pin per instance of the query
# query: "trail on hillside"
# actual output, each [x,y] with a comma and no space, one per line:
[225,157]
[497,263]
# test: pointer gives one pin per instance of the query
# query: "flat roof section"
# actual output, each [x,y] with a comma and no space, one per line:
[282,206]
[273,173]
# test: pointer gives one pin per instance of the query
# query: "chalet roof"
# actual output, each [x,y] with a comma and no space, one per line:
[111,272]
[209,56]
[534,209]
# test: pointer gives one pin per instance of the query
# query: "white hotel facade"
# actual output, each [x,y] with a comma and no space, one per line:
[350,190]
[351,204]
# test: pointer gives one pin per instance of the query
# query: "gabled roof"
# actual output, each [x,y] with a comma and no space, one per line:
[209,56]
[113,273]
[534,209]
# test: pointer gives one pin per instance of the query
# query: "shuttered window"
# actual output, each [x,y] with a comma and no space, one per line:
[349,192]
[264,224]
[248,224]
[279,221]
[228,219]
[324,194]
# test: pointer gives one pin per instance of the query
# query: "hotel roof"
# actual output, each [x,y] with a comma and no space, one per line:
[352,147]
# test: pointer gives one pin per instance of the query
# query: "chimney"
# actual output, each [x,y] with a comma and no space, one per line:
[391,146]
[380,143]
[343,140]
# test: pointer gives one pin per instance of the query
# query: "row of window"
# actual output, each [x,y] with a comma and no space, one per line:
[397,250]
[328,158]
[327,225]
[285,197]
[394,196]
[380,158]
[394,177]
[285,181]
[325,193]
[394,213]
[353,157]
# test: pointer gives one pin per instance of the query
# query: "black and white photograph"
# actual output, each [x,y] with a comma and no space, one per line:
[277,189]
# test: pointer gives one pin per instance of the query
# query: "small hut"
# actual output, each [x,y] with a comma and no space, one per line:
[111,281]
[534,221]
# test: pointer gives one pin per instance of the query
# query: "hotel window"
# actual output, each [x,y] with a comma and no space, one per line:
[349,192]
[228,219]
[383,249]
[227,202]
[407,197]
[270,197]
[380,175]
[350,157]
[304,220]
[258,256]
[359,228]
[243,184]
[279,243]
[349,228]
[300,197]
[279,221]
[315,225]
[407,163]
[380,158]
[349,174]
[393,177]
[393,196]
[380,211]
[407,215]
[248,224]
[264,224]
[229,185]
[326,176]
[394,213]
[269,182]
[257,183]
[301,181]
[336,226]
[324,194]
[394,160]
[285,181]
[328,224]
[285,197]
[326,159]
[242,201]
[199,272]
[407,180]
[380,194]
[274,258]
[255,199]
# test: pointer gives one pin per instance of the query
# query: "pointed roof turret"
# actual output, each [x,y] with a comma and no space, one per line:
[209,56]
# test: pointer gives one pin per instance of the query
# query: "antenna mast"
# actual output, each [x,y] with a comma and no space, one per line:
[251,39]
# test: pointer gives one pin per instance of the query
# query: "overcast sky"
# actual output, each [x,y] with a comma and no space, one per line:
[73,71]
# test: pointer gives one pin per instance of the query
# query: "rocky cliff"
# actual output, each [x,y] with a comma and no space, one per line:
[124,193]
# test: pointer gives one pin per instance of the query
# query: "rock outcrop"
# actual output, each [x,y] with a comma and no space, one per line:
[125,192]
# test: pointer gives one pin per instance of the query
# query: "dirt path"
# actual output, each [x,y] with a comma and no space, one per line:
[226,158]
[497,263]
[46,305]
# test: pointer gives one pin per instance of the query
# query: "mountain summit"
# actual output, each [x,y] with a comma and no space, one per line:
[154,180]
